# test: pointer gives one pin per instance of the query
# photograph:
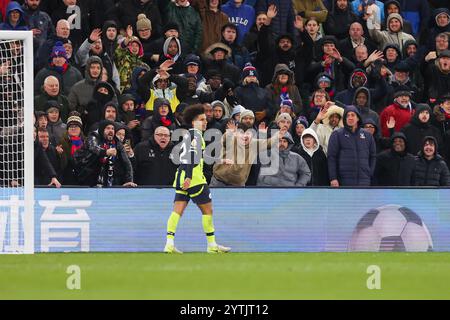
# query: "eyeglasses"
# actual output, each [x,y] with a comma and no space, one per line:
[162,135]
[369,127]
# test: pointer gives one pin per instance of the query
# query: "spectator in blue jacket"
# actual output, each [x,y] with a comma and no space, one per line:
[242,15]
[14,19]
[351,153]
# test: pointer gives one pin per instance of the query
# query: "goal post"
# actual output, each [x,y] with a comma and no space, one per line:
[16,142]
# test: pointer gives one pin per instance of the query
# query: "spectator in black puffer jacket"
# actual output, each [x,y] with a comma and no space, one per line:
[153,159]
[395,167]
[431,169]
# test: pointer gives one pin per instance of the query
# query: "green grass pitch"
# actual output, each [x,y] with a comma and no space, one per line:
[225,277]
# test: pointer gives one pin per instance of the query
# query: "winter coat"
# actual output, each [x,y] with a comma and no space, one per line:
[42,164]
[21,24]
[226,69]
[44,51]
[293,171]
[311,8]
[395,168]
[275,92]
[270,54]
[212,22]
[434,29]
[255,98]
[338,21]
[94,111]
[188,20]
[38,19]
[324,130]
[243,158]
[151,123]
[153,165]
[40,103]
[67,80]
[366,112]
[67,161]
[126,62]
[347,49]
[96,151]
[81,92]
[432,172]
[401,115]
[387,36]
[56,130]
[316,160]
[340,71]
[416,130]
[438,81]
[243,17]
[239,54]
[351,155]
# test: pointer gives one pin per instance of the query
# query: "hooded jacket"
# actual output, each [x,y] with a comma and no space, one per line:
[324,129]
[438,81]
[432,172]
[21,24]
[316,160]
[351,155]
[81,92]
[293,171]
[151,123]
[416,130]
[435,29]
[278,93]
[109,46]
[93,112]
[387,36]
[95,148]
[153,165]
[365,111]
[226,69]
[395,168]
[407,27]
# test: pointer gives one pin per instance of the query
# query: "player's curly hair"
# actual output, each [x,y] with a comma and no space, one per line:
[191,112]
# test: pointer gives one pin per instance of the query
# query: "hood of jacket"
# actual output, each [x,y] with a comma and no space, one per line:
[355,110]
[400,135]
[359,72]
[166,47]
[283,68]
[420,107]
[433,20]
[406,45]
[396,48]
[110,104]
[217,45]
[91,60]
[13,5]
[394,16]
[388,2]
[102,97]
[310,132]
[423,144]
[159,102]
[369,98]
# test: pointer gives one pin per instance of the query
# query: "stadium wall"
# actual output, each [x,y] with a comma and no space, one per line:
[248,220]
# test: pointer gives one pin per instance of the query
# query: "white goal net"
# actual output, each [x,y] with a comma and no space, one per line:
[16,142]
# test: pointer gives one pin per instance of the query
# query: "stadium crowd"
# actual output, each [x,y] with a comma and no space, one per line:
[358,90]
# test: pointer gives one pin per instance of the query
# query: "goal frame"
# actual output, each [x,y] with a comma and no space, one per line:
[28,106]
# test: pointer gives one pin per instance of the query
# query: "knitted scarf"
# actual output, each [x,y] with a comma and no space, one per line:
[60,70]
[76,144]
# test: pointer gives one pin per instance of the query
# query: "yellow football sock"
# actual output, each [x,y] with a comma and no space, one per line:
[172,225]
[208,227]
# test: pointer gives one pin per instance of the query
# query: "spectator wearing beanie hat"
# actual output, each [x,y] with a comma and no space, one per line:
[251,96]
[248,118]
[147,37]
[300,124]
[71,142]
[284,122]
[60,68]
